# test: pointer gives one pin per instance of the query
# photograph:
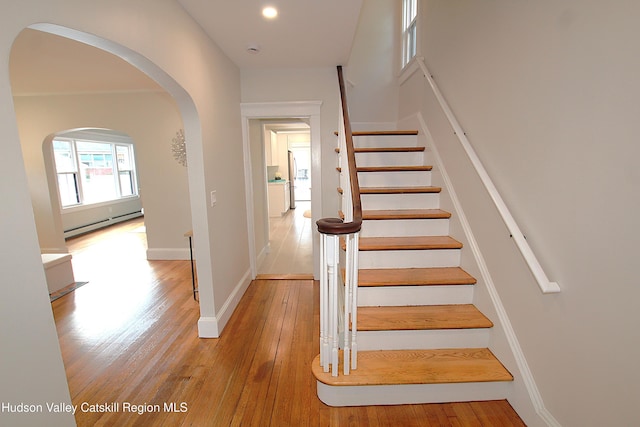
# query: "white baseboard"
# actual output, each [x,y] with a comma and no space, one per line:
[211,327]
[168,254]
[208,327]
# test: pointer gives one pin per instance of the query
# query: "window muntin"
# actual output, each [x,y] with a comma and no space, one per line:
[409,30]
[87,173]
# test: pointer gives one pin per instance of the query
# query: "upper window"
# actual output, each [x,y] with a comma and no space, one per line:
[409,30]
[92,171]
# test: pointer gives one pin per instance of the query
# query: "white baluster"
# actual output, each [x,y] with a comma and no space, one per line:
[332,262]
[324,361]
[347,299]
[354,302]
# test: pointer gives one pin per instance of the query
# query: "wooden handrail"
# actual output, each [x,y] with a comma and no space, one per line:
[336,225]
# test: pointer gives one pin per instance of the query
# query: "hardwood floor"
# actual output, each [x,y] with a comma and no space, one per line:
[291,244]
[129,337]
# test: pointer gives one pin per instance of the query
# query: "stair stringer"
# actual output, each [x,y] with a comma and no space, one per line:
[523,393]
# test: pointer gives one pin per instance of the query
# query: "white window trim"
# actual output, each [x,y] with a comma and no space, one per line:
[113,141]
[407,24]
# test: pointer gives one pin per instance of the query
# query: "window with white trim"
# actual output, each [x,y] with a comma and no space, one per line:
[409,30]
[92,171]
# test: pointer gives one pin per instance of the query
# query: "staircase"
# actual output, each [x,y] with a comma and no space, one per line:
[420,338]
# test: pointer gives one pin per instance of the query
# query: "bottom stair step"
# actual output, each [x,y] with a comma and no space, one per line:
[457,365]
[415,376]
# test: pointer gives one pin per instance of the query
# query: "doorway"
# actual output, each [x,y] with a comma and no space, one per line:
[287,161]
[260,120]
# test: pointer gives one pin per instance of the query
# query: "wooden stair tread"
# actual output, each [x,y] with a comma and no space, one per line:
[392,214]
[389,149]
[436,276]
[399,190]
[382,132]
[394,168]
[386,149]
[381,214]
[408,243]
[391,169]
[395,367]
[385,133]
[422,317]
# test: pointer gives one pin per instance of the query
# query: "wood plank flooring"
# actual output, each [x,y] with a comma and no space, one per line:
[291,243]
[131,338]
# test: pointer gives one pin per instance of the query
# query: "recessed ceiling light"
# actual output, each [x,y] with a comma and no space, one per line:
[269,12]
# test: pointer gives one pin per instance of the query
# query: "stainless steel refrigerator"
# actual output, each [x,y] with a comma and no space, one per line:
[292,179]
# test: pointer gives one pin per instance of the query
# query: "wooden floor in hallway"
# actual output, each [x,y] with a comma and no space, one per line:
[129,340]
[291,246]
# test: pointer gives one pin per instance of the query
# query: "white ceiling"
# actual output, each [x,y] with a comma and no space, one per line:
[306,33]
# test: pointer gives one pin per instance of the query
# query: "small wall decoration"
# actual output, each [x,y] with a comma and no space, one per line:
[179,148]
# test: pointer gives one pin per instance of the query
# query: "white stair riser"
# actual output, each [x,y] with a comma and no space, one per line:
[401,201]
[405,227]
[418,340]
[385,141]
[412,393]
[414,295]
[394,179]
[406,158]
[410,258]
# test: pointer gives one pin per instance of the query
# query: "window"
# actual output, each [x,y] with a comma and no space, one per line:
[409,30]
[93,171]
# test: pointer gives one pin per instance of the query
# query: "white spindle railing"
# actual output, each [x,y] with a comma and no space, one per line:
[338,300]
[544,283]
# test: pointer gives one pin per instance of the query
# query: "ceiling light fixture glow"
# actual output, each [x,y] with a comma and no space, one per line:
[270,12]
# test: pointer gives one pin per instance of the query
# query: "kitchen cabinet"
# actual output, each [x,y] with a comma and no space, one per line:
[279,201]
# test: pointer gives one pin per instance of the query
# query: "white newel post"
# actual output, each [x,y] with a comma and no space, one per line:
[329,309]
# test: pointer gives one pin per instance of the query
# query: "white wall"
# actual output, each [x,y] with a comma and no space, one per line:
[547,94]
[151,119]
[373,66]
[159,37]
[291,85]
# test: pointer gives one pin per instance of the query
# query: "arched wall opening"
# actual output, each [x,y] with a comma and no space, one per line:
[162,40]
[45,176]
[188,118]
